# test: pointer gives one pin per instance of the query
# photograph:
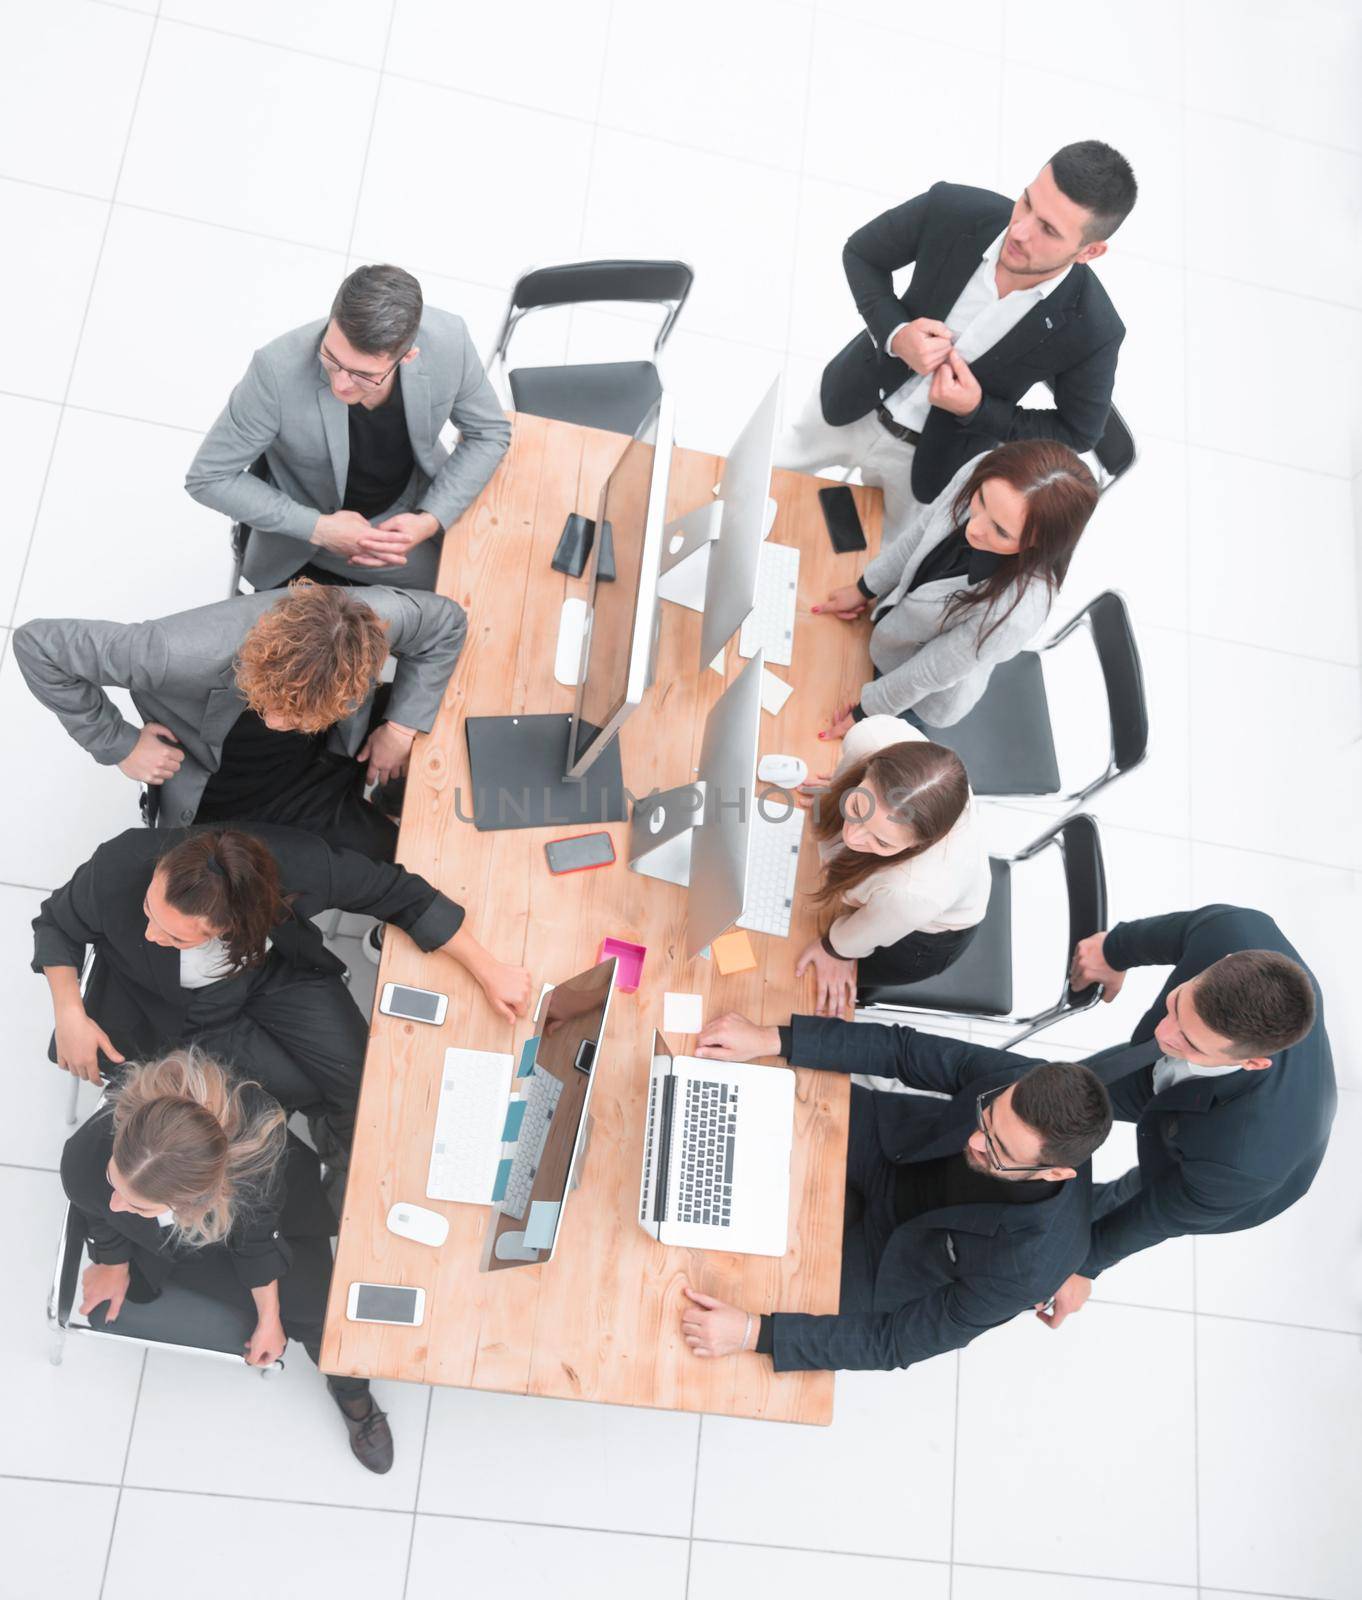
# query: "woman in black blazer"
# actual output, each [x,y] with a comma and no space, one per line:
[187,1172]
[204,937]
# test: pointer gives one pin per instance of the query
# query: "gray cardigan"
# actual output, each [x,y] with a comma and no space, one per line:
[181,671]
[938,675]
[284,410]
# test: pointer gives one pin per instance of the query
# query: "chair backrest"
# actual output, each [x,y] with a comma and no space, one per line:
[1085,883]
[1113,637]
[577,282]
[1116,448]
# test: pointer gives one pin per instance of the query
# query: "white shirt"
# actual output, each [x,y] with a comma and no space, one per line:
[978,319]
[205,964]
[946,888]
[1169,1070]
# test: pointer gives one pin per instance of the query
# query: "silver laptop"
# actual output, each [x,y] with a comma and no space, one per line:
[716,1154]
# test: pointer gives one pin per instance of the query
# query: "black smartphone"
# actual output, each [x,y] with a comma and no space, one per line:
[842,518]
[580,852]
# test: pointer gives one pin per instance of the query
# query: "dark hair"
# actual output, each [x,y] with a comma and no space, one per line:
[1061,494]
[378,309]
[919,784]
[1260,1000]
[313,656]
[1099,179]
[231,880]
[1067,1105]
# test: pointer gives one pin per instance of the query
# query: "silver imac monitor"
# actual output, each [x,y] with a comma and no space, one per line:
[621,618]
[546,1136]
[714,552]
[700,834]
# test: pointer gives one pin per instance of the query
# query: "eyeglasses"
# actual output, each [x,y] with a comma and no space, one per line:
[998,1165]
[369,380]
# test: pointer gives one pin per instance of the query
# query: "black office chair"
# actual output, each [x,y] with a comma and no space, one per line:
[614,395]
[1007,742]
[1115,450]
[979,984]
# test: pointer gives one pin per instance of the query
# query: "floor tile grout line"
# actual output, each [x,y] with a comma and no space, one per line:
[955,1476]
[369,137]
[85,314]
[694,1501]
[420,1474]
[122,1475]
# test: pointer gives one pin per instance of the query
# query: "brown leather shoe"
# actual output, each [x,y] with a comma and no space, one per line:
[371,1440]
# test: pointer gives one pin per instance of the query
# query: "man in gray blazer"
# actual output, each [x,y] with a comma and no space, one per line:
[261,708]
[329,449]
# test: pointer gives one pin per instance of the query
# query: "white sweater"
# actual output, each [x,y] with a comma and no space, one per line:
[943,889]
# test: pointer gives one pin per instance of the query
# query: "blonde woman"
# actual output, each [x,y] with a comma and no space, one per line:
[187,1172]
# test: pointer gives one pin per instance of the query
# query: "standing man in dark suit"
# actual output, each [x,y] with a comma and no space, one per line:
[1001,298]
[329,448]
[1228,1079]
[961,1212]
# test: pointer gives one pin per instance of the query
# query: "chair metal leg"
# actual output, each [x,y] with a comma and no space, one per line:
[56,1347]
[72,1100]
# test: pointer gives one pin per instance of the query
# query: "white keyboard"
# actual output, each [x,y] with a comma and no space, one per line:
[468,1125]
[770,623]
[771,873]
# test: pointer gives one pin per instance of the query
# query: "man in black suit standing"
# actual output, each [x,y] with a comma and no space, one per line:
[1002,297]
[1228,1078]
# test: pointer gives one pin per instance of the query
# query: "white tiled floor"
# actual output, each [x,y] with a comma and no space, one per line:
[181,181]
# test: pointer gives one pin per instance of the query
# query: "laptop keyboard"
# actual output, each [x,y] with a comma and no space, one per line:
[709,1123]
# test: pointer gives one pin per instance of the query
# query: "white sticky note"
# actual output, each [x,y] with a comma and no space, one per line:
[682,1013]
[774,692]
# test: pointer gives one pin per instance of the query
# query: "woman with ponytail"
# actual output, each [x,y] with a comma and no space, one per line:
[905,871]
[967,584]
[186,1172]
[203,936]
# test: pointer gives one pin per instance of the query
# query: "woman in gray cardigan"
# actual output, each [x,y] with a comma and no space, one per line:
[968,583]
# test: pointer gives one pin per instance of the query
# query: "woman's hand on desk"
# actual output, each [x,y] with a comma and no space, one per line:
[834,979]
[846,604]
[841,724]
[711,1328]
[733,1038]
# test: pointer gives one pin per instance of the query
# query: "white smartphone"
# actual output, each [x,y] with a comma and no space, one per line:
[416,1005]
[386,1302]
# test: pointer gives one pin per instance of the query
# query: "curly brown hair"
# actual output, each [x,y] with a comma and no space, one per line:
[313,657]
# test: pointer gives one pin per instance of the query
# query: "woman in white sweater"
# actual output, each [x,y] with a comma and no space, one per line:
[967,584]
[905,871]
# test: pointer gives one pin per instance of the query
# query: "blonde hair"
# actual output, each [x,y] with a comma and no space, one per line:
[190,1135]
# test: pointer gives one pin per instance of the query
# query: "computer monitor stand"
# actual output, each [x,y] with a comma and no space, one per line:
[661,831]
[517,765]
[685,557]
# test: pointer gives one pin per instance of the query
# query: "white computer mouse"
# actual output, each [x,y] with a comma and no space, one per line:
[786,772]
[416,1222]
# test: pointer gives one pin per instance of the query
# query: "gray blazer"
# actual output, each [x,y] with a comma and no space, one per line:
[938,675]
[284,410]
[180,670]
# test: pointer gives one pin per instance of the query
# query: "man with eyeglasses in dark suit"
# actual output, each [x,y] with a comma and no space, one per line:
[329,449]
[962,1211]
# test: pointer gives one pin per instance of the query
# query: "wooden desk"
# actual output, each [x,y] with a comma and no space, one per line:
[601,1320]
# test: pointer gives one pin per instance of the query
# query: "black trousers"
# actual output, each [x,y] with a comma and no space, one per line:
[300,1034]
[302,1294]
[870,1215]
[914,957]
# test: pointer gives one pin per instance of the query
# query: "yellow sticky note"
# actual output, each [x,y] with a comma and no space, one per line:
[733,952]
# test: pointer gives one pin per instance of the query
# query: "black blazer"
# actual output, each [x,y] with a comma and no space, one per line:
[1071,339]
[1216,1154]
[948,1275]
[134,988]
[290,1206]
